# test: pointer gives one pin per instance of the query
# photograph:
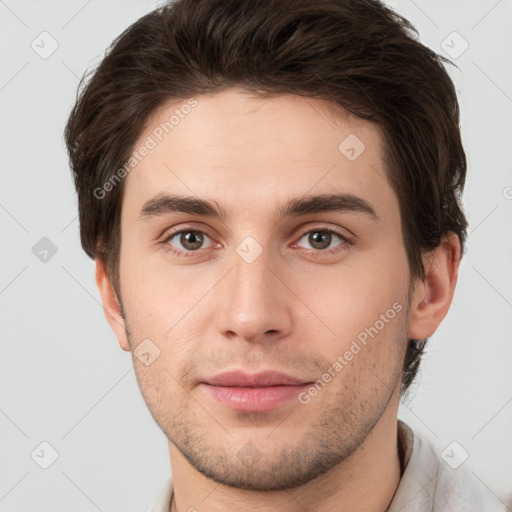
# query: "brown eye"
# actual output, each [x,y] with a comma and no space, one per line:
[321,239]
[191,240]
[188,240]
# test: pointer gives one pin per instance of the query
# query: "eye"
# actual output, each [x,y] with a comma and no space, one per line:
[186,242]
[190,240]
[320,239]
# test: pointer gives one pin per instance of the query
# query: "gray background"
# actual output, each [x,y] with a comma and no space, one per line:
[63,378]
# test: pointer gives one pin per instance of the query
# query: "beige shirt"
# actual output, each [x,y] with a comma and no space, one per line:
[428,484]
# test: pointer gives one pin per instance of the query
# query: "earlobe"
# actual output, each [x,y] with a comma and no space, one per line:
[110,304]
[433,294]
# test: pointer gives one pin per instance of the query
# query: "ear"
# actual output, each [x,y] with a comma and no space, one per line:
[110,304]
[433,294]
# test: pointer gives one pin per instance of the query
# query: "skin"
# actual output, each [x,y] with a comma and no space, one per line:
[294,309]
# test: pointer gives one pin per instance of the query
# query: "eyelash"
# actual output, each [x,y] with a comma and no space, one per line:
[347,242]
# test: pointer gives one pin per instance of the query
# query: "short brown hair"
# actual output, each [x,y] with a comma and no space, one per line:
[356,53]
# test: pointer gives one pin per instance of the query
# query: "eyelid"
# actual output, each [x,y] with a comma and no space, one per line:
[341,232]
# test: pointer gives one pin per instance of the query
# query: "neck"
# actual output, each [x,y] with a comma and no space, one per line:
[366,481]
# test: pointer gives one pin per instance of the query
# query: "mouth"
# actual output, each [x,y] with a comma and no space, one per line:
[259,392]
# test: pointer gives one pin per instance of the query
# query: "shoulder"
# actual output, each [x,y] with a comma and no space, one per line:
[163,502]
[435,481]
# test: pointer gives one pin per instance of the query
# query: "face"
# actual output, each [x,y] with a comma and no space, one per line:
[278,281]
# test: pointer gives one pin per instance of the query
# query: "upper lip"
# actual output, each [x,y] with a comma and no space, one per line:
[242,379]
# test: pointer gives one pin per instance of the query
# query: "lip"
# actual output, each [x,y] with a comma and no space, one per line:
[262,379]
[254,392]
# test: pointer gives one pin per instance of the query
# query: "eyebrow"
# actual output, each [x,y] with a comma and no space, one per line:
[163,204]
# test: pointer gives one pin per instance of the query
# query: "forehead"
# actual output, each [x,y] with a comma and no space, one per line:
[246,151]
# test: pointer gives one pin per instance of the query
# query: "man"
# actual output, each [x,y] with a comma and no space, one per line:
[271,192]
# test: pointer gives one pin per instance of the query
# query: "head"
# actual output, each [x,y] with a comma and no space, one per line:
[265,187]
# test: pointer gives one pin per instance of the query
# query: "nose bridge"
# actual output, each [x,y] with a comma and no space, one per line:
[253,304]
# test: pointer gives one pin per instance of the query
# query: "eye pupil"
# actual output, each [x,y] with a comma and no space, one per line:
[319,242]
[191,240]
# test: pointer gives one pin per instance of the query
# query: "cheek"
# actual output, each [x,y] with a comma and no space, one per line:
[153,297]
[350,300]
[163,304]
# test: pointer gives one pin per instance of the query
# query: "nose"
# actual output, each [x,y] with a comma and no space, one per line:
[254,304]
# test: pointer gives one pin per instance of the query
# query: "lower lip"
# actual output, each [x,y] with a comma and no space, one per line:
[254,399]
